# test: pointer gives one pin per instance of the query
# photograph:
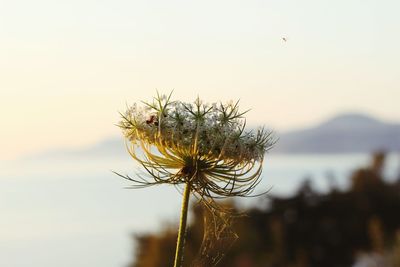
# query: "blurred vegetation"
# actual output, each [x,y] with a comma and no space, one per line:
[358,227]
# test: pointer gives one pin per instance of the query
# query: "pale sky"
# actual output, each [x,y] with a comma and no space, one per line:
[68,67]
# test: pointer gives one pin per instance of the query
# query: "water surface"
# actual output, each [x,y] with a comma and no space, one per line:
[76,212]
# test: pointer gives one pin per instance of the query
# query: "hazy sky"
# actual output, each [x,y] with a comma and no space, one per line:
[68,67]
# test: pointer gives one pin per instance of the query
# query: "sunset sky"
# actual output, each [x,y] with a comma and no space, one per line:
[68,67]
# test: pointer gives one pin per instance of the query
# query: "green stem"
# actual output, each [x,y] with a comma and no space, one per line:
[182,228]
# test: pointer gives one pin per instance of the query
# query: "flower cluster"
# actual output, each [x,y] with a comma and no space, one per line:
[216,129]
[205,143]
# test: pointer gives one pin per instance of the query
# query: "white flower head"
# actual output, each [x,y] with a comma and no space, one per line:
[197,139]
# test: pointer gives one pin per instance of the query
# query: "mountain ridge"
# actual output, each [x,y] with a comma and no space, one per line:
[344,133]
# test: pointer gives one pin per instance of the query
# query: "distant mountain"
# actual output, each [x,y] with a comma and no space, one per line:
[348,133]
[109,148]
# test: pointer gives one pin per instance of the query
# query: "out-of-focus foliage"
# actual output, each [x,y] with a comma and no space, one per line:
[308,229]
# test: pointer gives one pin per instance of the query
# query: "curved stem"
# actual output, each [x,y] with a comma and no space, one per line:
[182,228]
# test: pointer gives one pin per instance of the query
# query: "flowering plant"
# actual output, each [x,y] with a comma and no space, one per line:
[202,146]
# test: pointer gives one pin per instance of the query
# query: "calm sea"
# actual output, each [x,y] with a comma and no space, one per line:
[76,212]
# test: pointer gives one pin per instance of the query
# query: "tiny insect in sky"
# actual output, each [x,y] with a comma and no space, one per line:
[284,39]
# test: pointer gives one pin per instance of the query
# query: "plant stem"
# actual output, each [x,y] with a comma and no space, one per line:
[182,228]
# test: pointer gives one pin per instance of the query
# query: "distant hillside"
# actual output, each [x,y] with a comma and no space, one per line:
[349,133]
[113,147]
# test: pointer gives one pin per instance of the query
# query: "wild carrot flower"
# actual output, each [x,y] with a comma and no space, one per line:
[202,146]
